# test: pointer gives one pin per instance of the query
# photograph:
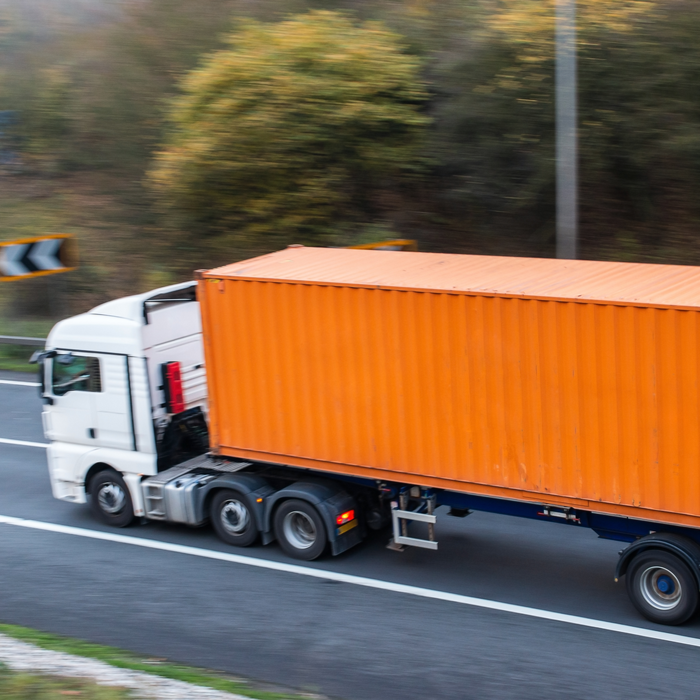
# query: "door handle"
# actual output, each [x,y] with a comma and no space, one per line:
[92,433]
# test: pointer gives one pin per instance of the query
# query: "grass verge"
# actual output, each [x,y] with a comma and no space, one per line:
[26,686]
[15,357]
[125,659]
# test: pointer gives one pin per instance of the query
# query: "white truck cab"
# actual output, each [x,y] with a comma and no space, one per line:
[125,411]
[106,402]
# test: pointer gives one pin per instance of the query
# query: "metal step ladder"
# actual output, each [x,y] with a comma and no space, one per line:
[401,516]
[153,491]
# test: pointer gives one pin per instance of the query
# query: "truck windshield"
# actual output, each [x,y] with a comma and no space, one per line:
[83,374]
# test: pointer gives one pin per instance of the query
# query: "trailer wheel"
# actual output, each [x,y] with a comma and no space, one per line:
[300,530]
[232,518]
[662,587]
[110,499]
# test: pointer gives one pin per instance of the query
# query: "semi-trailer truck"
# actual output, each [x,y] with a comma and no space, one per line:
[311,395]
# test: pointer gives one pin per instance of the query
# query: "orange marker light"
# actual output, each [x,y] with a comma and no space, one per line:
[345,517]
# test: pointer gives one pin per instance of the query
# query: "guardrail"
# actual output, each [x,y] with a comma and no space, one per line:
[20,340]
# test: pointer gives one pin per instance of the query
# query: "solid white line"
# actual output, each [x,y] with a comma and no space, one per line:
[356,581]
[16,383]
[24,443]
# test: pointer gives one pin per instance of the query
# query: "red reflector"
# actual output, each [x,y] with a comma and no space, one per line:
[345,517]
[172,386]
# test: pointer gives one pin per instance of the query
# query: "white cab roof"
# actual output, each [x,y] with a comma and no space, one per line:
[113,327]
[131,308]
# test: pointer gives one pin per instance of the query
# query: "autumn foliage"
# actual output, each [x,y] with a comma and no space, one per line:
[218,129]
[296,128]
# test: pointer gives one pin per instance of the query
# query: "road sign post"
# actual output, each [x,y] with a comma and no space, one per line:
[566,136]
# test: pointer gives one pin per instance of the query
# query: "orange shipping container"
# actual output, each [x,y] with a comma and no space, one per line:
[569,383]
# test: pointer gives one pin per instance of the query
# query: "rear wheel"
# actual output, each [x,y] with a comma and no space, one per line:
[232,519]
[110,499]
[662,587]
[300,530]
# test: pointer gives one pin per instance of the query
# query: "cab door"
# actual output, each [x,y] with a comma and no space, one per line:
[71,382]
[113,404]
[90,400]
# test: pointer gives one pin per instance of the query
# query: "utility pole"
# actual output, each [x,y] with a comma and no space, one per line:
[566,130]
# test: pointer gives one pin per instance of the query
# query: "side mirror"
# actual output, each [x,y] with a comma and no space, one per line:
[41,355]
[38,358]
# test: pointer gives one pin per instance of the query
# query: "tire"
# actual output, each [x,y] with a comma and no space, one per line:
[300,530]
[110,499]
[232,519]
[662,587]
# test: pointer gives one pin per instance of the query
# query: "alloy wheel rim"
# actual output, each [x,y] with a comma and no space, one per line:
[661,588]
[299,530]
[111,498]
[234,517]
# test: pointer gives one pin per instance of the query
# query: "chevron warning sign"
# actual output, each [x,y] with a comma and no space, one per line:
[33,257]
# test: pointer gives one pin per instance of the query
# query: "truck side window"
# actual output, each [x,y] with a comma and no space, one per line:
[83,374]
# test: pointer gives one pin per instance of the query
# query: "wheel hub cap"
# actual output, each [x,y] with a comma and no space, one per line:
[299,530]
[235,517]
[665,584]
[111,498]
[661,588]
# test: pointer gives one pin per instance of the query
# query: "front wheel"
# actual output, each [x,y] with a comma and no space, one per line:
[110,499]
[662,588]
[232,519]
[300,530]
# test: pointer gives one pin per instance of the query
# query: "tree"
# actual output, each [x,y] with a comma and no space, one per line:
[637,126]
[296,129]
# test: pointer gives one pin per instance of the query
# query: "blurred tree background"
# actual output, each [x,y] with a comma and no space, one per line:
[171,135]
[300,128]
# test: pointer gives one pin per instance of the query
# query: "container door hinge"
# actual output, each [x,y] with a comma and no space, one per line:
[400,518]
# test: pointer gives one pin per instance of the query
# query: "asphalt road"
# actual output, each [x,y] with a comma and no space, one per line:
[338,639]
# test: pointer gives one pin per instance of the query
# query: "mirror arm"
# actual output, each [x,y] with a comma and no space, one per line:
[41,355]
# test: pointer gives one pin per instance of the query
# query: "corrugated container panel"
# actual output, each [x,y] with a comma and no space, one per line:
[557,401]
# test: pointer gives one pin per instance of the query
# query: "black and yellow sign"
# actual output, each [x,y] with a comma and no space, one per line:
[34,257]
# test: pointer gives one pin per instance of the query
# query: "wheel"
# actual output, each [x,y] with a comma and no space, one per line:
[110,499]
[300,530]
[662,587]
[232,519]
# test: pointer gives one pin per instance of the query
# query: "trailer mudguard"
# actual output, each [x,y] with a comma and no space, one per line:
[251,486]
[329,499]
[683,547]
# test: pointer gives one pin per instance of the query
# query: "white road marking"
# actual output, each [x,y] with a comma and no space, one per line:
[15,383]
[356,581]
[24,443]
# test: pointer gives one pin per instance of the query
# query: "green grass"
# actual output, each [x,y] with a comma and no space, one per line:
[124,659]
[15,357]
[25,686]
